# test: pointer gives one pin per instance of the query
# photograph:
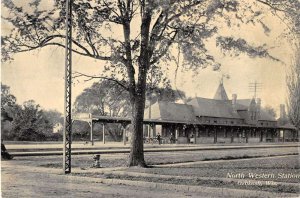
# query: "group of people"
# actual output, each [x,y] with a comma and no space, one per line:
[172,139]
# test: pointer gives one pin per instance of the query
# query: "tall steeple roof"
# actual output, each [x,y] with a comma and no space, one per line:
[221,93]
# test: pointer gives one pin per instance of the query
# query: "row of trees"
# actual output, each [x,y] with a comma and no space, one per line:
[164,27]
[26,122]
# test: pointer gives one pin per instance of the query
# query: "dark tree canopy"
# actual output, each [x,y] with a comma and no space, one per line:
[187,23]
[7,101]
[110,99]
[29,123]
[103,98]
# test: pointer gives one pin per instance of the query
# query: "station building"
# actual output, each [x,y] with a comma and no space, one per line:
[216,120]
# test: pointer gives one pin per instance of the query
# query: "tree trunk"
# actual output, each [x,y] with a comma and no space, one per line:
[137,149]
[138,97]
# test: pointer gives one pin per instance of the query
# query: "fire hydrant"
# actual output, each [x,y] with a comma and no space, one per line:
[96,161]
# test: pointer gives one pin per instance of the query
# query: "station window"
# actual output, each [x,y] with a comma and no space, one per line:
[215,121]
[232,122]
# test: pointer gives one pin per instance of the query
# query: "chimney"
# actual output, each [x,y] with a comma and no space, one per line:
[234,96]
[258,107]
[282,112]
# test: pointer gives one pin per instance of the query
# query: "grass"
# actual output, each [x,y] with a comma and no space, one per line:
[120,160]
[193,175]
[199,182]
[289,164]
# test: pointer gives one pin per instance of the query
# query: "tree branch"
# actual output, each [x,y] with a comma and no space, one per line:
[270,5]
[46,42]
[78,74]
[164,51]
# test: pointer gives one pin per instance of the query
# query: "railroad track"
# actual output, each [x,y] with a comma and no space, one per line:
[89,151]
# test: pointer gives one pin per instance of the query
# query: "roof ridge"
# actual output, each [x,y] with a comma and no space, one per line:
[221,93]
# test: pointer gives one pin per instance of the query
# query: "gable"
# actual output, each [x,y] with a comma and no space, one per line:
[213,108]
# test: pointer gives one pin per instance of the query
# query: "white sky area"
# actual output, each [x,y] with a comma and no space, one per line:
[39,75]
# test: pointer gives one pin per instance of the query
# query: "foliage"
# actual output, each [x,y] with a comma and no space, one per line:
[293,99]
[271,111]
[29,123]
[187,23]
[7,101]
[80,130]
[109,99]
[103,98]
[288,12]
[26,122]
[155,94]
[53,116]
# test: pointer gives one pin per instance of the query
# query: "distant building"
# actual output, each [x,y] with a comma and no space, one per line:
[217,120]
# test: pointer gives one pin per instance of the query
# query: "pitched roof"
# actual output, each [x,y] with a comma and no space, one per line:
[288,126]
[265,116]
[213,108]
[243,104]
[221,93]
[169,111]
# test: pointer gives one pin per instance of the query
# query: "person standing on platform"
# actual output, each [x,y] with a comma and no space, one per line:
[158,139]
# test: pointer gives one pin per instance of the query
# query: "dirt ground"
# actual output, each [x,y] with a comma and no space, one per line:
[24,181]
[42,176]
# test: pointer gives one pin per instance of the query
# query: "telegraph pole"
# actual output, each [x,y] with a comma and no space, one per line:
[255,87]
[67,136]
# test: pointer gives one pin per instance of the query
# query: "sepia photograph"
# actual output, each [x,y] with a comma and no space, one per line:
[150,98]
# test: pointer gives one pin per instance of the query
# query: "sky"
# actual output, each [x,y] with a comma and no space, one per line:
[39,75]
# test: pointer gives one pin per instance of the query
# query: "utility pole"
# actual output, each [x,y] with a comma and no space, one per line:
[67,136]
[255,87]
